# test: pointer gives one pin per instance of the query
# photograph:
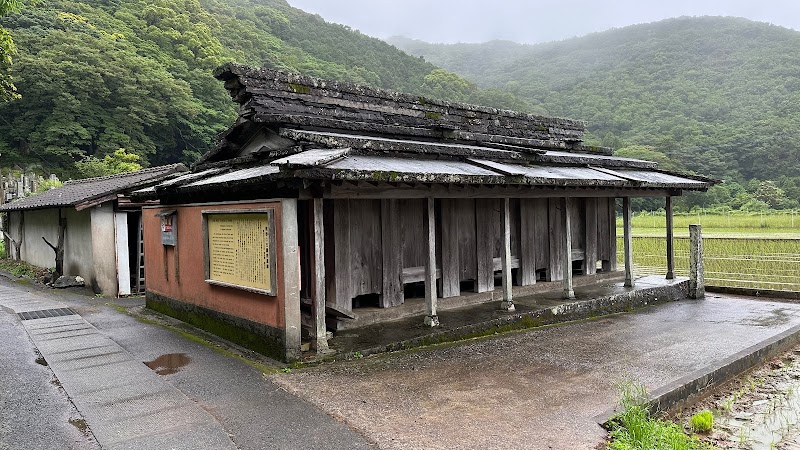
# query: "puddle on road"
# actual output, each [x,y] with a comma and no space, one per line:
[169,364]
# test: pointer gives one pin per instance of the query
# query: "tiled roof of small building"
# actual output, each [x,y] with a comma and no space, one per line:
[91,191]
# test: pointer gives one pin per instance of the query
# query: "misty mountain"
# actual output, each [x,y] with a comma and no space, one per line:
[718,95]
[99,75]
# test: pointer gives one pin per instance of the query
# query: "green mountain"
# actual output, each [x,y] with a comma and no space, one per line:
[99,75]
[718,95]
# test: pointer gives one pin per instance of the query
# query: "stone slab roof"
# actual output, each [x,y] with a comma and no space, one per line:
[294,132]
[89,192]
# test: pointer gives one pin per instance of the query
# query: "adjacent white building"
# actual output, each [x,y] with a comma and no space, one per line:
[102,235]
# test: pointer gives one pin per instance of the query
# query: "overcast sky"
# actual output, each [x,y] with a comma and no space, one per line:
[529,21]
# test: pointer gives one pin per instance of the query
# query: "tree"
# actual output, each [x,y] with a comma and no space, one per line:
[118,162]
[7,89]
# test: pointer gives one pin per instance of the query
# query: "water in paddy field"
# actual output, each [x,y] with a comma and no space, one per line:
[764,414]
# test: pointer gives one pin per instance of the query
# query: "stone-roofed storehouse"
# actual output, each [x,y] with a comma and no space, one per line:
[100,225]
[329,203]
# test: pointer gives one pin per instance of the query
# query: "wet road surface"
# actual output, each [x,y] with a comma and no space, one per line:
[538,389]
[203,398]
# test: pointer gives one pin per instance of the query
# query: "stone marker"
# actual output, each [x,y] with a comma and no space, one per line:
[697,287]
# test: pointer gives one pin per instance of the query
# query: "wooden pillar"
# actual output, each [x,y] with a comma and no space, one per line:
[392,254]
[527,242]
[569,293]
[508,302]
[627,230]
[291,279]
[320,330]
[670,241]
[431,318]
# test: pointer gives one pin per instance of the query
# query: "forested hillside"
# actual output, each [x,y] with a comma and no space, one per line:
[719,96]
[96,76]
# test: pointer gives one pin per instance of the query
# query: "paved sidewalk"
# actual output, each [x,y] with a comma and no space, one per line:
[211,399]
[126,404]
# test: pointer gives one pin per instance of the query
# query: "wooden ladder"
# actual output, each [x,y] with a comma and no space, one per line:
[140,286]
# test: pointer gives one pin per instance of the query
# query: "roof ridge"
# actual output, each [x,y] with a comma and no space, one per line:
[123,174]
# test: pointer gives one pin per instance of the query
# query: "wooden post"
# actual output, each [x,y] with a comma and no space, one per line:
[508,302]
[291,279]
[697,287]
[670,241]
[569,293]
[626,223]
[431,318]
[320,330]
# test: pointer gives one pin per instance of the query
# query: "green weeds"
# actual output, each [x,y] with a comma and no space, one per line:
[702,422]
[635,429]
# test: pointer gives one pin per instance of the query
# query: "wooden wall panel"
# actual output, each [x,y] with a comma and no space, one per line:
[486,243]
[541,222]
[449,248]
[467,240]
[577,215]
[338,290]
[391,252]
[411,219]
[527,238]
[366,267]
[590,261]
[555,270]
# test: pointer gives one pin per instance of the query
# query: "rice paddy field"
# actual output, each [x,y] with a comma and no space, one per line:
[755,251]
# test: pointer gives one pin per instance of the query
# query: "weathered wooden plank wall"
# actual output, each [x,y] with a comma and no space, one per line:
[484,232]
[590,260]
[527,237]
[451,274]
[577,223]
[540,217]
[411,218]
[392,254]
[555,270]
[365,247]
[467,239]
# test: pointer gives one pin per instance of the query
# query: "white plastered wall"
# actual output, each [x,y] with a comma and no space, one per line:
[104,248]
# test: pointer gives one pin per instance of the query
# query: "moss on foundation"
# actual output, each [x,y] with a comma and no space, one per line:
[271,346]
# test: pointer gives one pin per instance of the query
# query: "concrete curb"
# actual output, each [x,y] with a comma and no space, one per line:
[766,293]
[683,390]
[570,312]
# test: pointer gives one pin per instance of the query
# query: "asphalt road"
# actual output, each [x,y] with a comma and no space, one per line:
[253,411]
[538,389]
